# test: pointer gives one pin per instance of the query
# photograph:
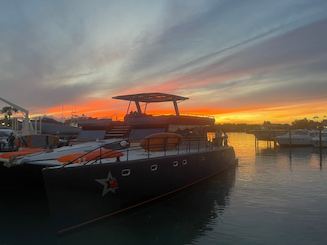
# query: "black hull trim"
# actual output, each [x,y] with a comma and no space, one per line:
[81,195]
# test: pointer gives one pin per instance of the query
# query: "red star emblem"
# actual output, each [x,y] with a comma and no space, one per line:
[110,184]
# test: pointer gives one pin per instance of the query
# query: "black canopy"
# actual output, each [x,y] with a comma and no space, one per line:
[150,97]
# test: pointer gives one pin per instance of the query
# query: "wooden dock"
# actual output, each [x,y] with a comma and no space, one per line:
[267,135]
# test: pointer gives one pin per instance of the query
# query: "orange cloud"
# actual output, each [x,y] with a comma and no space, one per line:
[109,108]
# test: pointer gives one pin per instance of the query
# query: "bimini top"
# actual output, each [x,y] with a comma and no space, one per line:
[150,97]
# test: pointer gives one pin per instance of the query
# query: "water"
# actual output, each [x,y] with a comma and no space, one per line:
[274,196]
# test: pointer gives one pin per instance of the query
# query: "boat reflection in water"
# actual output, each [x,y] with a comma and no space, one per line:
[25,218]
[179,219]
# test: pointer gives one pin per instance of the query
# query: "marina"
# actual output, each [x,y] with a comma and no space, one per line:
[292,137]
[131,170]
[283,189]
[117,167]
[163,122]
[89,185]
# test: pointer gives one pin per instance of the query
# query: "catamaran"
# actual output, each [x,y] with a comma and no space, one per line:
[147,158]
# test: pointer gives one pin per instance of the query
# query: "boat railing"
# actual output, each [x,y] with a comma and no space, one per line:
[150,150]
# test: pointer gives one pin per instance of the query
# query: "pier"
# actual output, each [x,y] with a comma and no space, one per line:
[270,137]
[267,135]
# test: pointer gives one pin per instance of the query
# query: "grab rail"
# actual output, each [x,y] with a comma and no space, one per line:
[191,144]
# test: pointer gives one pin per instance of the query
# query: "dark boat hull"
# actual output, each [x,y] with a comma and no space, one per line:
[79,195]
[25,176]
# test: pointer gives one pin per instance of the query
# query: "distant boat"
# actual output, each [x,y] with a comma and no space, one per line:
[53,127]
[299,137]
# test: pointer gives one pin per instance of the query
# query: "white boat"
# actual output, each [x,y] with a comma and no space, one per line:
[297,138]
[52,157]
[316,139]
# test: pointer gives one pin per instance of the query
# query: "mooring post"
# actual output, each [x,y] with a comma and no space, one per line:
[290,137]
[320,138]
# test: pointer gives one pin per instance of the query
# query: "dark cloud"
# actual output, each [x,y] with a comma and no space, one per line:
[57,52]
[48,55]
[223,28]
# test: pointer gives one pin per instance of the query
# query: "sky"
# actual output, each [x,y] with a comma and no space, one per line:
[237,60]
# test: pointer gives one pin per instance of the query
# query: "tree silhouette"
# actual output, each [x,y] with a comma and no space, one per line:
[8,112]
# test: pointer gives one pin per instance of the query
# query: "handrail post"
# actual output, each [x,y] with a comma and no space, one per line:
[148,143]
[100,154]
[165,147]
[127,150]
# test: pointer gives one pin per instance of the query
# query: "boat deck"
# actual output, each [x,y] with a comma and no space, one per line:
[138,153]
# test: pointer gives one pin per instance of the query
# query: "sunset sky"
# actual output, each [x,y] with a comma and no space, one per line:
[238,60]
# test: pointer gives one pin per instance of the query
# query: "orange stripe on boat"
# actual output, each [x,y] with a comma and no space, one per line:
[21,152]
[79,157]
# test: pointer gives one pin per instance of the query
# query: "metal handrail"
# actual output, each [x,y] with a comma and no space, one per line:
[166,147]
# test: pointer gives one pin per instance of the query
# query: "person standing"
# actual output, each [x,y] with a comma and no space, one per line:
[225,139]
[219,137]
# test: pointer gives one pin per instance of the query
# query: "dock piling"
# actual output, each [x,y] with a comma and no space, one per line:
[290,137]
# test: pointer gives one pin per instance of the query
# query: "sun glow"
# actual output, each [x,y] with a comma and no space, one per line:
[114,109]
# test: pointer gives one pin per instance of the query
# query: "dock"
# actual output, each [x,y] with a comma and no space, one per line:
[267,135]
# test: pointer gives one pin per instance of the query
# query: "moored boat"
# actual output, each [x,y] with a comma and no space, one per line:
[22,168]
[297,138]
[165,155]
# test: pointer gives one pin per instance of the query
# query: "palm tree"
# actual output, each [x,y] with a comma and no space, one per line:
[8,112]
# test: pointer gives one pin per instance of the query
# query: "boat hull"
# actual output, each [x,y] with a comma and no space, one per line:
[23,176]
[295,141]
[79,195]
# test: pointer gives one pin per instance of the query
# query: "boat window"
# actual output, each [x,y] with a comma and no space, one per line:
[126,172]
[175,163]
[184,162]
[154,167]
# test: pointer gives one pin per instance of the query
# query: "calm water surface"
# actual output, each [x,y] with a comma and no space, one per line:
[274,196]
